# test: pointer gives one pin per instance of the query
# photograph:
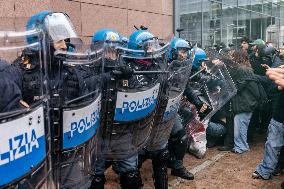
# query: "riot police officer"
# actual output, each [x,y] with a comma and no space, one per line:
[72,84]
[172,88]
[21,119]
[124,165]
[194,94]
[179,50]
[27,63]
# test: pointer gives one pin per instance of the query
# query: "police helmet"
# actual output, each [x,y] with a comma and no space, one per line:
[176,45]
[143,40]
[199,56]
[107,35]
[56,25]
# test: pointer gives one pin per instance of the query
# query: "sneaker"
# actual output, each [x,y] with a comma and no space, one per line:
[210,144]
[235,151]
[225,148]
[182,173]
[256,175]
[277,171]
[211,141]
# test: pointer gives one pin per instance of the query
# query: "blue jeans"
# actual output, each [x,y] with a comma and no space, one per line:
[241,123]
[120,167]
[275,140]
[215,129]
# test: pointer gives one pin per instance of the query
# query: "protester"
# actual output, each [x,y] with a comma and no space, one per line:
[275,139]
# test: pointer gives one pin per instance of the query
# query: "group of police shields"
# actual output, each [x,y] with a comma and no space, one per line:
[52,139]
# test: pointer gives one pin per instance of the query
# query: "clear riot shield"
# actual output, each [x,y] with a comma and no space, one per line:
[215,87]
[172,90]
[25,160]
[131,94]
[76,103]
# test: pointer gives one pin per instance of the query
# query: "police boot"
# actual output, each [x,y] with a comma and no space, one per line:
[131,180]
[182,173]
[160,175]
[98,182]
[177,149]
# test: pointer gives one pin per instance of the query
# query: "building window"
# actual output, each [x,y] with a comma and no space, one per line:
[211,22]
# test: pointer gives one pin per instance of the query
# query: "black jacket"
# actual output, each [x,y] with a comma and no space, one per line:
[278,109]
[10,93]
[192,96]
[269,86]
[250,92]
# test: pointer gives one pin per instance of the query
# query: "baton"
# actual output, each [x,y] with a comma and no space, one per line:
[149,72]
[194,75]
[117,72]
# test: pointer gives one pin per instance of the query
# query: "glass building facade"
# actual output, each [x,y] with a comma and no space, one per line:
[211,22]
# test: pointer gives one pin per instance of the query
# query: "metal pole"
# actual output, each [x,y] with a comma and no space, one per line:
[174,15]
[227,35]
[179,30]
[202,23]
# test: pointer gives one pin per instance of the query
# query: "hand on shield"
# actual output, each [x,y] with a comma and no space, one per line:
[203,66]
[24,104]
[203,108]
[216,61]
[204,112]
[123,72]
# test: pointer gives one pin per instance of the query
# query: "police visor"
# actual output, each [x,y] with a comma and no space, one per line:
[59,27]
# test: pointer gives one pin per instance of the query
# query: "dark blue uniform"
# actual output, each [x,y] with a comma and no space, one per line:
[10,93]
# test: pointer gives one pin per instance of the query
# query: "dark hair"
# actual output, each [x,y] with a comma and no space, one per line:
[246,39]
[241,58]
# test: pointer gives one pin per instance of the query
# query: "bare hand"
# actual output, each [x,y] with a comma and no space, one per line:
[277,75]
[24,104]
[203,108]
[265,66]
[216,61]
[203,65]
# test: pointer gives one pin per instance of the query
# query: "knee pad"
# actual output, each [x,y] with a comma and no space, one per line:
[160,174]
[131,179]
[161,157]
[178,136]
[177,145]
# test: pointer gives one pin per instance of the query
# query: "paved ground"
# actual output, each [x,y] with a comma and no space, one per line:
[216,171]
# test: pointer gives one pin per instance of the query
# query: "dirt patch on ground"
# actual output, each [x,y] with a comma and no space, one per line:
[230,171]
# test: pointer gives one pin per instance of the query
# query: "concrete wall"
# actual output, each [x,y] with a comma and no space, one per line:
[90,15]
